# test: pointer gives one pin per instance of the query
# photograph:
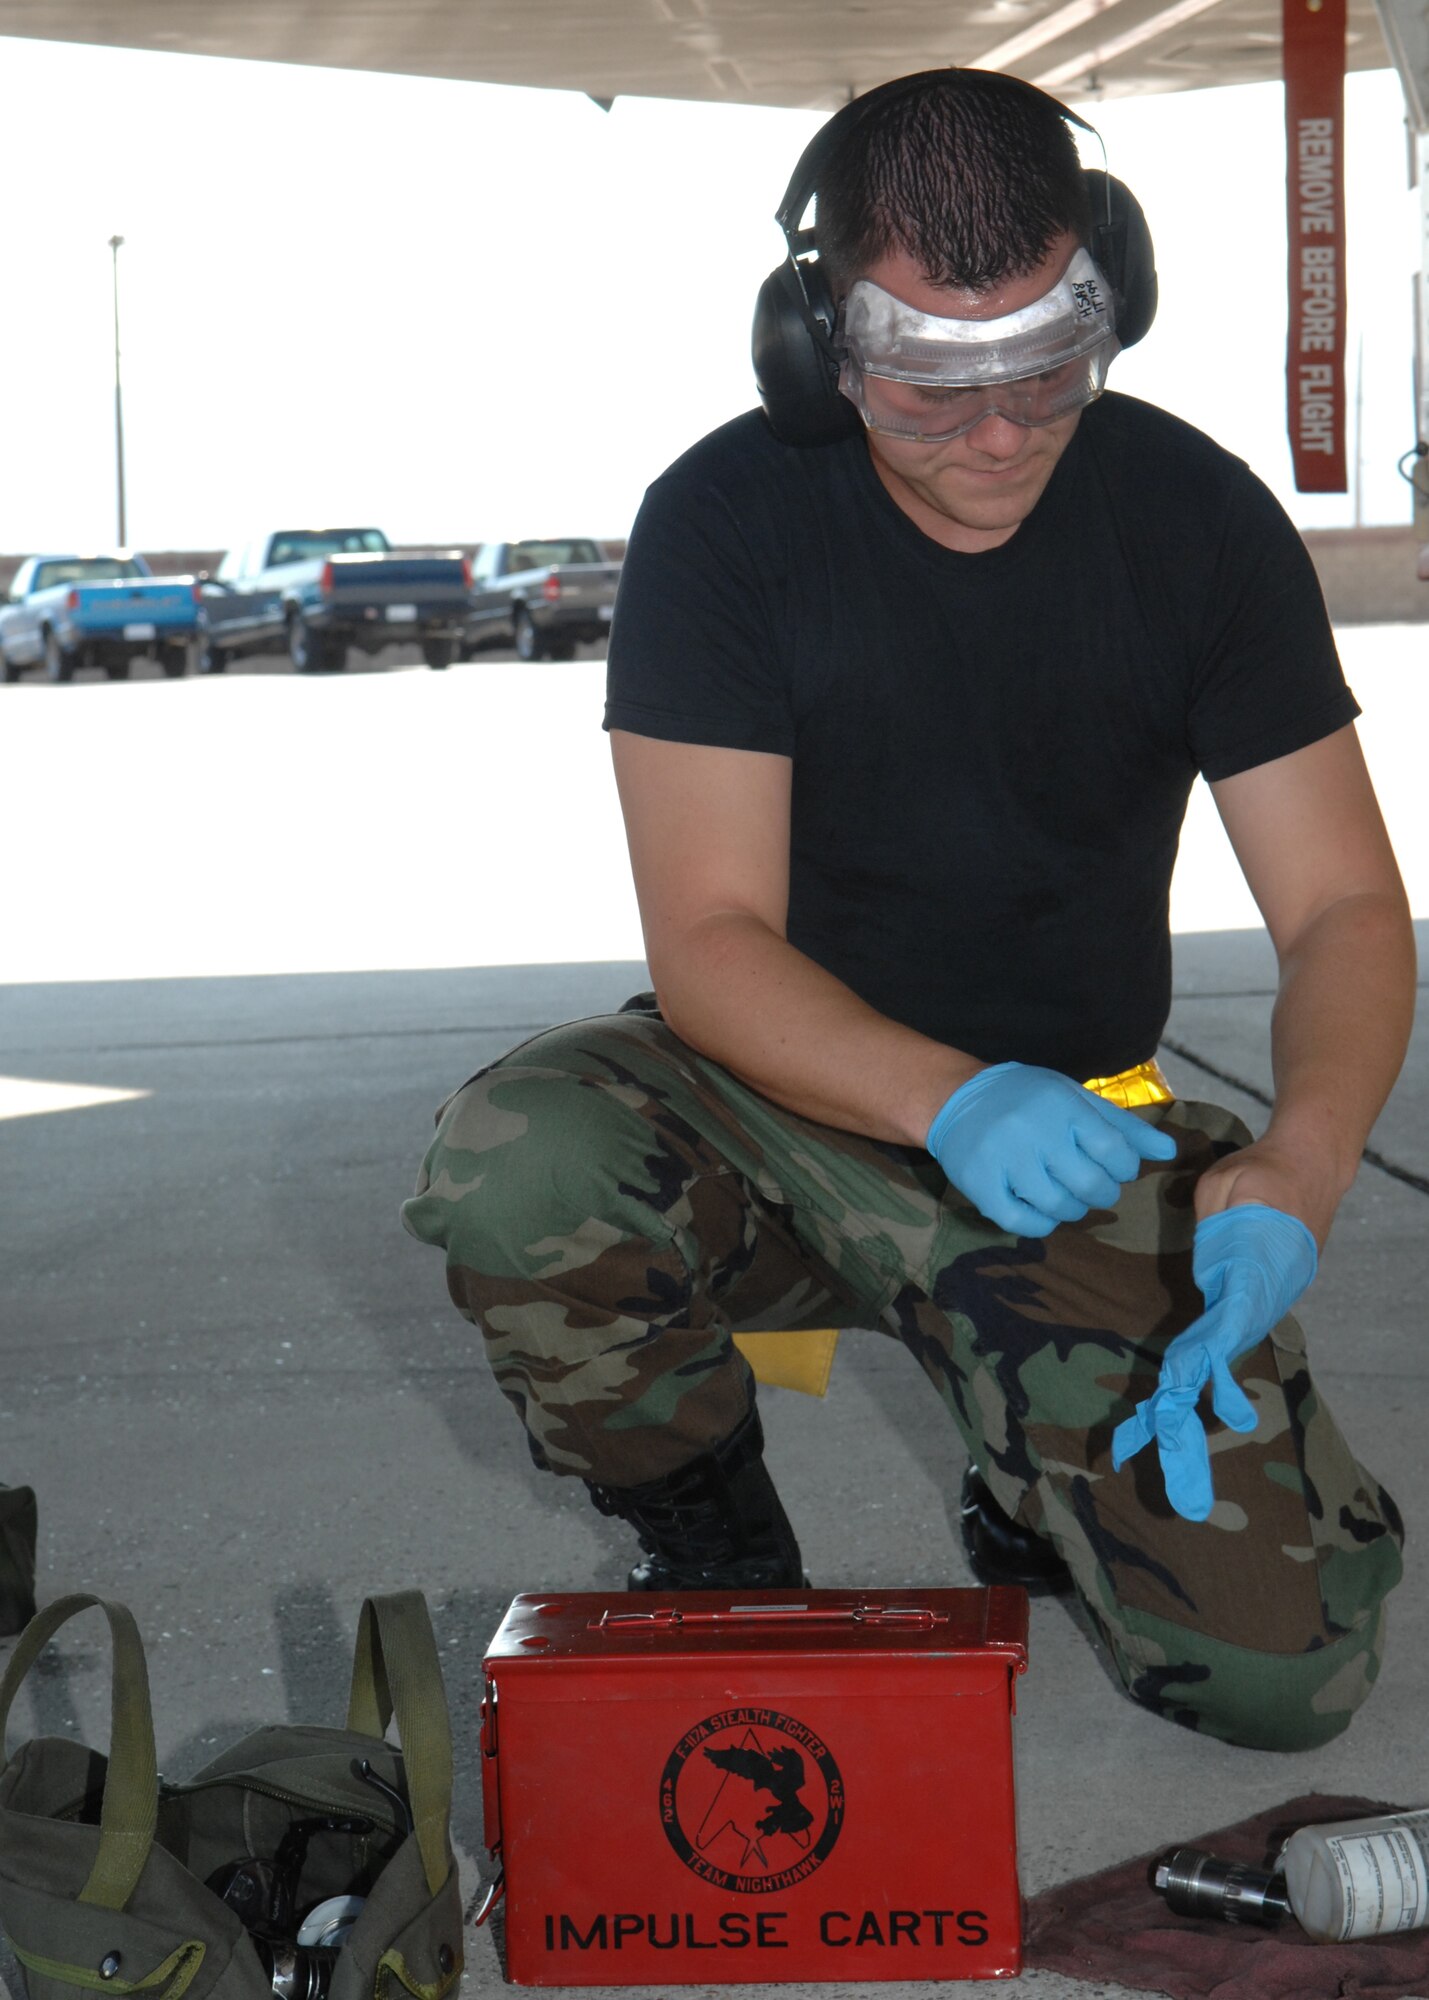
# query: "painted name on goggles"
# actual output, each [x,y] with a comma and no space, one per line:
[913,375]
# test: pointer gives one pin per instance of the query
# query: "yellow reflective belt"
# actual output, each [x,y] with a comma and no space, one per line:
[804,1359]
[1142,1085]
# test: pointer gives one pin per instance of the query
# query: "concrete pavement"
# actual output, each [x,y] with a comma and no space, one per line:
[245,1402]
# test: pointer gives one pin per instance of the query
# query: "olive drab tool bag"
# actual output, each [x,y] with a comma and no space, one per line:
[18,1525]
[302,1860]
[690,1788]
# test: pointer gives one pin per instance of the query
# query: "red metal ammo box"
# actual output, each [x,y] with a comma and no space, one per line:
[692,1788]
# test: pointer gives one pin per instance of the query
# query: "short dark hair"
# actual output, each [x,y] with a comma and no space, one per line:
[972,173]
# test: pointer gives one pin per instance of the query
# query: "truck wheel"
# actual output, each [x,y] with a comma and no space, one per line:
[9,672]
[528,639]
[116,670]
[438,653]
[173,662]
[209,659]
[59,665]
[312,652]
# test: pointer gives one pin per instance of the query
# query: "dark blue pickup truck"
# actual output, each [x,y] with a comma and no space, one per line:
[317,592]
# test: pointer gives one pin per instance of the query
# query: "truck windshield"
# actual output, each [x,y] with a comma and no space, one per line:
[84,569]
[308,545]
[540,555]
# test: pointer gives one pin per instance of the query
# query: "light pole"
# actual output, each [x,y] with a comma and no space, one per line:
[114,244]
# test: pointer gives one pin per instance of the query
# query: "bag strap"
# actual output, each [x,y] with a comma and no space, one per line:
[131,1786]
[395,1670]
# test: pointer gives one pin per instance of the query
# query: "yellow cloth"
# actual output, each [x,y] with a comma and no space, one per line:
[791,1360]
[803,1360]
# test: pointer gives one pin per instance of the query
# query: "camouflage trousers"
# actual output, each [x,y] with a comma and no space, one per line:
[614,1208]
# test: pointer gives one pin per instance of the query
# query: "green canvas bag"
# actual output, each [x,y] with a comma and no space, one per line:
[103,1866]
[18,1524]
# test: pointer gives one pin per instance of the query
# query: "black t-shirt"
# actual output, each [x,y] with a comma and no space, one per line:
[992,753]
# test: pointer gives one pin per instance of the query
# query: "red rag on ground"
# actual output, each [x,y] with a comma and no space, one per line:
[1115,1926]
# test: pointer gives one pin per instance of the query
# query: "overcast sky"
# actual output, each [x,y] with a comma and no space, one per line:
[463,312]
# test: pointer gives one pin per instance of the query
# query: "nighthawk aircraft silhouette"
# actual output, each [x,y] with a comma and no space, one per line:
[779,1772]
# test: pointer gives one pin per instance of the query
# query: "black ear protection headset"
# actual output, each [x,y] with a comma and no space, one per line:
[795,365]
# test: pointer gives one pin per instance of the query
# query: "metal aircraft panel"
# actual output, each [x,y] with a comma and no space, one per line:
[793,52]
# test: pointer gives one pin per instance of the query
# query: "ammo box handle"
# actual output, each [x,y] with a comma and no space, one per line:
[918,1617]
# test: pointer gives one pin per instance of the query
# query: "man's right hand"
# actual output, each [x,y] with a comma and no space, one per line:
[1030,1148]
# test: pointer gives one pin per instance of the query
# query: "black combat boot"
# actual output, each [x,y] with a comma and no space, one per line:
[716,1524]
[1001,1550]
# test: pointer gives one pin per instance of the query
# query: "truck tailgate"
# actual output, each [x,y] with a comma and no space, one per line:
[428,583]
[587,583]
[98,608]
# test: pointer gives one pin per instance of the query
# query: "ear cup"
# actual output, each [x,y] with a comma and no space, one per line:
[1122,248]
[794,365]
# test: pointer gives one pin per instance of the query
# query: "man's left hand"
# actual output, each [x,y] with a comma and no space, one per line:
[1251,1263]
[1296,1177]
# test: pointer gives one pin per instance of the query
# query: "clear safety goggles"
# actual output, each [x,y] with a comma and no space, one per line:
[913,375]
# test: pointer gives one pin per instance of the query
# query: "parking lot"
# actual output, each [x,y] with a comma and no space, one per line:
[256,927]
[390,659]
[266,821]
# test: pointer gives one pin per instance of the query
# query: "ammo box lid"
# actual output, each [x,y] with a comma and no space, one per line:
[548,1627]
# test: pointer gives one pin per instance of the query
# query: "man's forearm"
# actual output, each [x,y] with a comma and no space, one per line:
[1338,1036]
[1341,1026]
[743,995]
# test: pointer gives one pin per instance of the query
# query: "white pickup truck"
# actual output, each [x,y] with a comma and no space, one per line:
[319,592]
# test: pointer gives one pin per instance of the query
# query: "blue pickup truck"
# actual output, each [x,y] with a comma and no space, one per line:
[317,592]
[65,612]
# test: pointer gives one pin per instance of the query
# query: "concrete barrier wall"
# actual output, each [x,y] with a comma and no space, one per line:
[1368,575]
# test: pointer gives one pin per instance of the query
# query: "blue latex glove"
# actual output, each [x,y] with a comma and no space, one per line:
[1030,1148]
[1251,1263]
